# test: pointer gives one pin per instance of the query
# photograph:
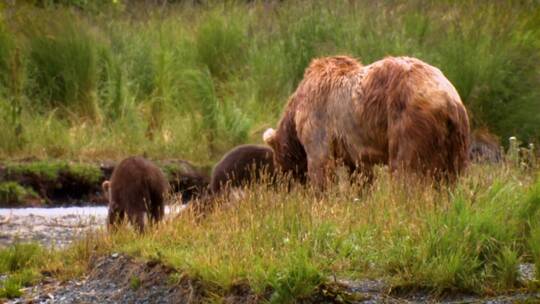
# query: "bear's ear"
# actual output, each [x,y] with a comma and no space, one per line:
[269,136]
[105,186]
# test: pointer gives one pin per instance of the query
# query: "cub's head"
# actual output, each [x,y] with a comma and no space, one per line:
[289,154]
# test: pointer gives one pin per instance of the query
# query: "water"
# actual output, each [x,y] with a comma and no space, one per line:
[96,211]
[99,211]
[54,226]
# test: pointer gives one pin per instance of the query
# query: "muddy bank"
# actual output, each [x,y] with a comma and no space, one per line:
[62,183]
[119,278]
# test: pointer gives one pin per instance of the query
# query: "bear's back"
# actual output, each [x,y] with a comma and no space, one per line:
[241,165]
[136,180]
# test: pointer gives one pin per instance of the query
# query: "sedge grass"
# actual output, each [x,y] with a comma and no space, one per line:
[192,81]
[469,238]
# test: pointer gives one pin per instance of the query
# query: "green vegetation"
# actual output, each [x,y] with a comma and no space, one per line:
[413,236]
[33,182]
[24,264]
[106,79]
[13,194]
[46,170]
[100,79]
[85,172]
[20,263]
[134,282]
[50,170]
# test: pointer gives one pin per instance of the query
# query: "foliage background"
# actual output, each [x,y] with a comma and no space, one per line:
[191,79]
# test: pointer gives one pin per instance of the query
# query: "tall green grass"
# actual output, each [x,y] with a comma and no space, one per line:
[63,65]
[188,80]
[470,238]
[285,241]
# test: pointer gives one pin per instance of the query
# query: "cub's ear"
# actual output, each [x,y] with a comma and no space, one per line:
[269,136]
[105,186]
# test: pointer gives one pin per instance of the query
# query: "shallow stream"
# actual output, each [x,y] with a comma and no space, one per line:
[53,226]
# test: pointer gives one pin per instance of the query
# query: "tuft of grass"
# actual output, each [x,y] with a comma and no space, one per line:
[534,244]
[63,65]
[298,280]
[24,264]
[147,80]
[6,51]
[134,282]
[221,42]
[13,194]
[19,257]
[203,93]
[531,226]
[10,289]
[19,262]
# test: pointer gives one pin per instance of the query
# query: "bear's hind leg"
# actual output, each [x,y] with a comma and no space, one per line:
[115,216]
[321,169]
[137,220]
[157,211]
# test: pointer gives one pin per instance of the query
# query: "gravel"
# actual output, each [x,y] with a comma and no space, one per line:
[57,231]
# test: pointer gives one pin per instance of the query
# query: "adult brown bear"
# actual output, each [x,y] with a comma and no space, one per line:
[398,111]
[137,188]
[242,165]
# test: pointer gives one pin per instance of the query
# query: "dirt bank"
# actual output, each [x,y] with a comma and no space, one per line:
[119,278]
[61,183]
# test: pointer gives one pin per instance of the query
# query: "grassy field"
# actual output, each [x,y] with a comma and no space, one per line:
[104,80]
[470,237]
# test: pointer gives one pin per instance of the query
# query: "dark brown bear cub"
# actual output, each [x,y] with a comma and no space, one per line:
[136,189]
[485,147]
[242,165]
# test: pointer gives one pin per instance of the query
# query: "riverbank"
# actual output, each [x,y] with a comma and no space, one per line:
[56,227]
[49,183]
[288,243]
[118,278]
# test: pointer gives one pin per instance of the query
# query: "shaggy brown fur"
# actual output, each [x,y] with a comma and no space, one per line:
[242,165]
[485,147]
[187,180]
[398,111]
[136,189]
